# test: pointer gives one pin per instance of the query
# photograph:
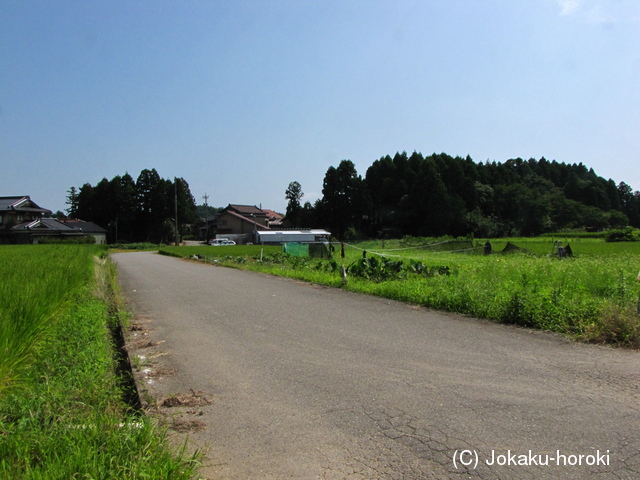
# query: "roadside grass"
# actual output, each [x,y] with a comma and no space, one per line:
[592,296]
[124,247]
[221,252]
[63,414]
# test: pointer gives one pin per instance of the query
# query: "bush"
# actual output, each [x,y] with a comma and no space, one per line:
[84,240]
[134,246]
[618,326]
[621,235]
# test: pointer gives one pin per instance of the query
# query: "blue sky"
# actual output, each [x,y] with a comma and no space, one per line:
[242,97]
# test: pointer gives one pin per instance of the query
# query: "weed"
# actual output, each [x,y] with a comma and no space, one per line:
[535,289]
[63,414]
[620,326]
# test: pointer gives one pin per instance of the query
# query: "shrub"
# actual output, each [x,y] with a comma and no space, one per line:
[617,325]
[84,240]
[134,246]
[621,235]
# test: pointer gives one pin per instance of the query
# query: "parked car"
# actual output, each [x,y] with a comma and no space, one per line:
[221,241]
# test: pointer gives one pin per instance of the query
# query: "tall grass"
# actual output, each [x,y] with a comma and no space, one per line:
[64,415]
[217,252]
[37,281]
[592,296]
[566,296]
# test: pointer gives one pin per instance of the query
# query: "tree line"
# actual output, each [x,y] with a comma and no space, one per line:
[443,195]
[135,211]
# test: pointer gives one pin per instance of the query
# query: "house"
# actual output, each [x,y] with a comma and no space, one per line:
[236,218]
[36,230]
[22,221]
[87,228]
[17,211]
[250,224]
[275,219]
[240,222]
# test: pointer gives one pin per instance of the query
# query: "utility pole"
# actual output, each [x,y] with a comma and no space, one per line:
[206,217]
[175,184]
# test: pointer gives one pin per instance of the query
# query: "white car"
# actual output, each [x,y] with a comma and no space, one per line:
[221,241]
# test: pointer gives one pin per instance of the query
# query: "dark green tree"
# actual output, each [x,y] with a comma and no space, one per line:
[345,200]
[630,203]
[122,225]
[186,204]
[143,210]
[72,201]
[309,214]
[86,206]
[154,199]
[294,207]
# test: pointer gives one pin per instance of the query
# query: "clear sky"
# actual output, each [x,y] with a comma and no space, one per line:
[242,97]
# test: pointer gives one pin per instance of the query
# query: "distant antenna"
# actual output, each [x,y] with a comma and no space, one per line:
[206,197]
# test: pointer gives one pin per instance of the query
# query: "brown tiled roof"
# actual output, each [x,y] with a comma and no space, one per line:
[272,215]
[246,210]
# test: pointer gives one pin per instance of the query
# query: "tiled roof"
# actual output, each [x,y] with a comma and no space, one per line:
[48,224]
[272,215]
[86,227]
[246,210]
[246,219]
[20,204]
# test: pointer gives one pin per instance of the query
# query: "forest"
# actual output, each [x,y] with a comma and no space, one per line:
[443,195]
[403,195]
[135,211]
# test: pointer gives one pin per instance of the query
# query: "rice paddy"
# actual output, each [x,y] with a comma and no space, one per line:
[62,408]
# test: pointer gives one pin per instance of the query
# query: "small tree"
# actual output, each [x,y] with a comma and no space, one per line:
[72,201]
[294,208]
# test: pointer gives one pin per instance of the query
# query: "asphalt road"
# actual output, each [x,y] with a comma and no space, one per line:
[276,379]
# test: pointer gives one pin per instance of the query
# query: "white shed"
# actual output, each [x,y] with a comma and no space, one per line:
[283,236]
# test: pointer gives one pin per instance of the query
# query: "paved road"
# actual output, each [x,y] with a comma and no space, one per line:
[282,380]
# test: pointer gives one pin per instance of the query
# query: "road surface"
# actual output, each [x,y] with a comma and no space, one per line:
[277,379]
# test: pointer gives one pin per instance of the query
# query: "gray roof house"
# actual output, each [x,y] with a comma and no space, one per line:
[87,228]
[22,221]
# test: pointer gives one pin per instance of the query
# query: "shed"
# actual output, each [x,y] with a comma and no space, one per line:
[276,237]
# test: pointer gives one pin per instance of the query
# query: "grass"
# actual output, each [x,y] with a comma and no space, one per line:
[63,414]
[234,251]
[36,285]
[592,296]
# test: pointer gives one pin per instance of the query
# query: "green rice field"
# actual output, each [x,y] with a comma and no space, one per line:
[63,413]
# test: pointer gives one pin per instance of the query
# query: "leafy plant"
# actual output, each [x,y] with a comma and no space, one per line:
[621,235]
[376,269]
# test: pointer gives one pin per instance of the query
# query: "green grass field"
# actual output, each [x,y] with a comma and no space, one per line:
[591,296]
[62,408]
